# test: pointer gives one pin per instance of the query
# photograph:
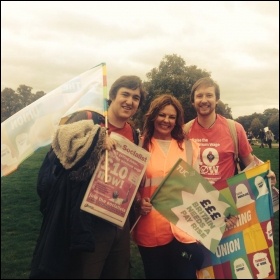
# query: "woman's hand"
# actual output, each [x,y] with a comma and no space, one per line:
[145,206]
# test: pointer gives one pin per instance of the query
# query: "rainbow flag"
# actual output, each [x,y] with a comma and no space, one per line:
[33,126]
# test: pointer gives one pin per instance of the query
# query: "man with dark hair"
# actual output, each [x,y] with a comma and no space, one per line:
[74,244]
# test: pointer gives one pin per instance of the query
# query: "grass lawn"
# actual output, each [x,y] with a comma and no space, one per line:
[21,219]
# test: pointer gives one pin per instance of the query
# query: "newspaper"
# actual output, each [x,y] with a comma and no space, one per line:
[126,166]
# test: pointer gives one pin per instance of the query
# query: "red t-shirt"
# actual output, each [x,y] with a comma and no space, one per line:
[217,150]
[125,131]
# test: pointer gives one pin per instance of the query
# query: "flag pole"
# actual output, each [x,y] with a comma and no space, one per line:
[105,109]
[135,223]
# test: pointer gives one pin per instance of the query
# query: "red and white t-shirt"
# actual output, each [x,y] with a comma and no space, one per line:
[217,150]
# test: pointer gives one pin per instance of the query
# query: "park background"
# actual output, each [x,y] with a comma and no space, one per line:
[21,218]
[46,43]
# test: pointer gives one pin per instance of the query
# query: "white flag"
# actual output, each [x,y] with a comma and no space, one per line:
[33,126]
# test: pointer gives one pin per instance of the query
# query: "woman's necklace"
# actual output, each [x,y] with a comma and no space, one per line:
[208,126]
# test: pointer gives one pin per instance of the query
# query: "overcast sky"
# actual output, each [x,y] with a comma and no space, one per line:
[46,43]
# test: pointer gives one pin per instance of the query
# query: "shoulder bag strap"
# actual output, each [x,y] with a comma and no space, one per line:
[232,129]
[189,153]
[187,126]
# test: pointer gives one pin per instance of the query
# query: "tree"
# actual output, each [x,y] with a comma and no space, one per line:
[174,77]
[12,102]
[268,113]
[246,121]
[224,110]
[25,95]
[273,124]
[254,122]
[255,127]
[38,95]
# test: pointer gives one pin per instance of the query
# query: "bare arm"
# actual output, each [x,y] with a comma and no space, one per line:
[247,160]
[271,175]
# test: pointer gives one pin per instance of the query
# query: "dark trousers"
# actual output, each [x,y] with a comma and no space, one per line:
[111,257]
[262,143]
[175,260]
[269,143]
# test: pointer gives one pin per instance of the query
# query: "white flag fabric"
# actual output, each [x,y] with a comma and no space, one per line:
[33,126]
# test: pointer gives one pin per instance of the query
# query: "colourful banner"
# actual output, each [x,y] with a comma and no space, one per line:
[191,203]
[33,126]
[246,251]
